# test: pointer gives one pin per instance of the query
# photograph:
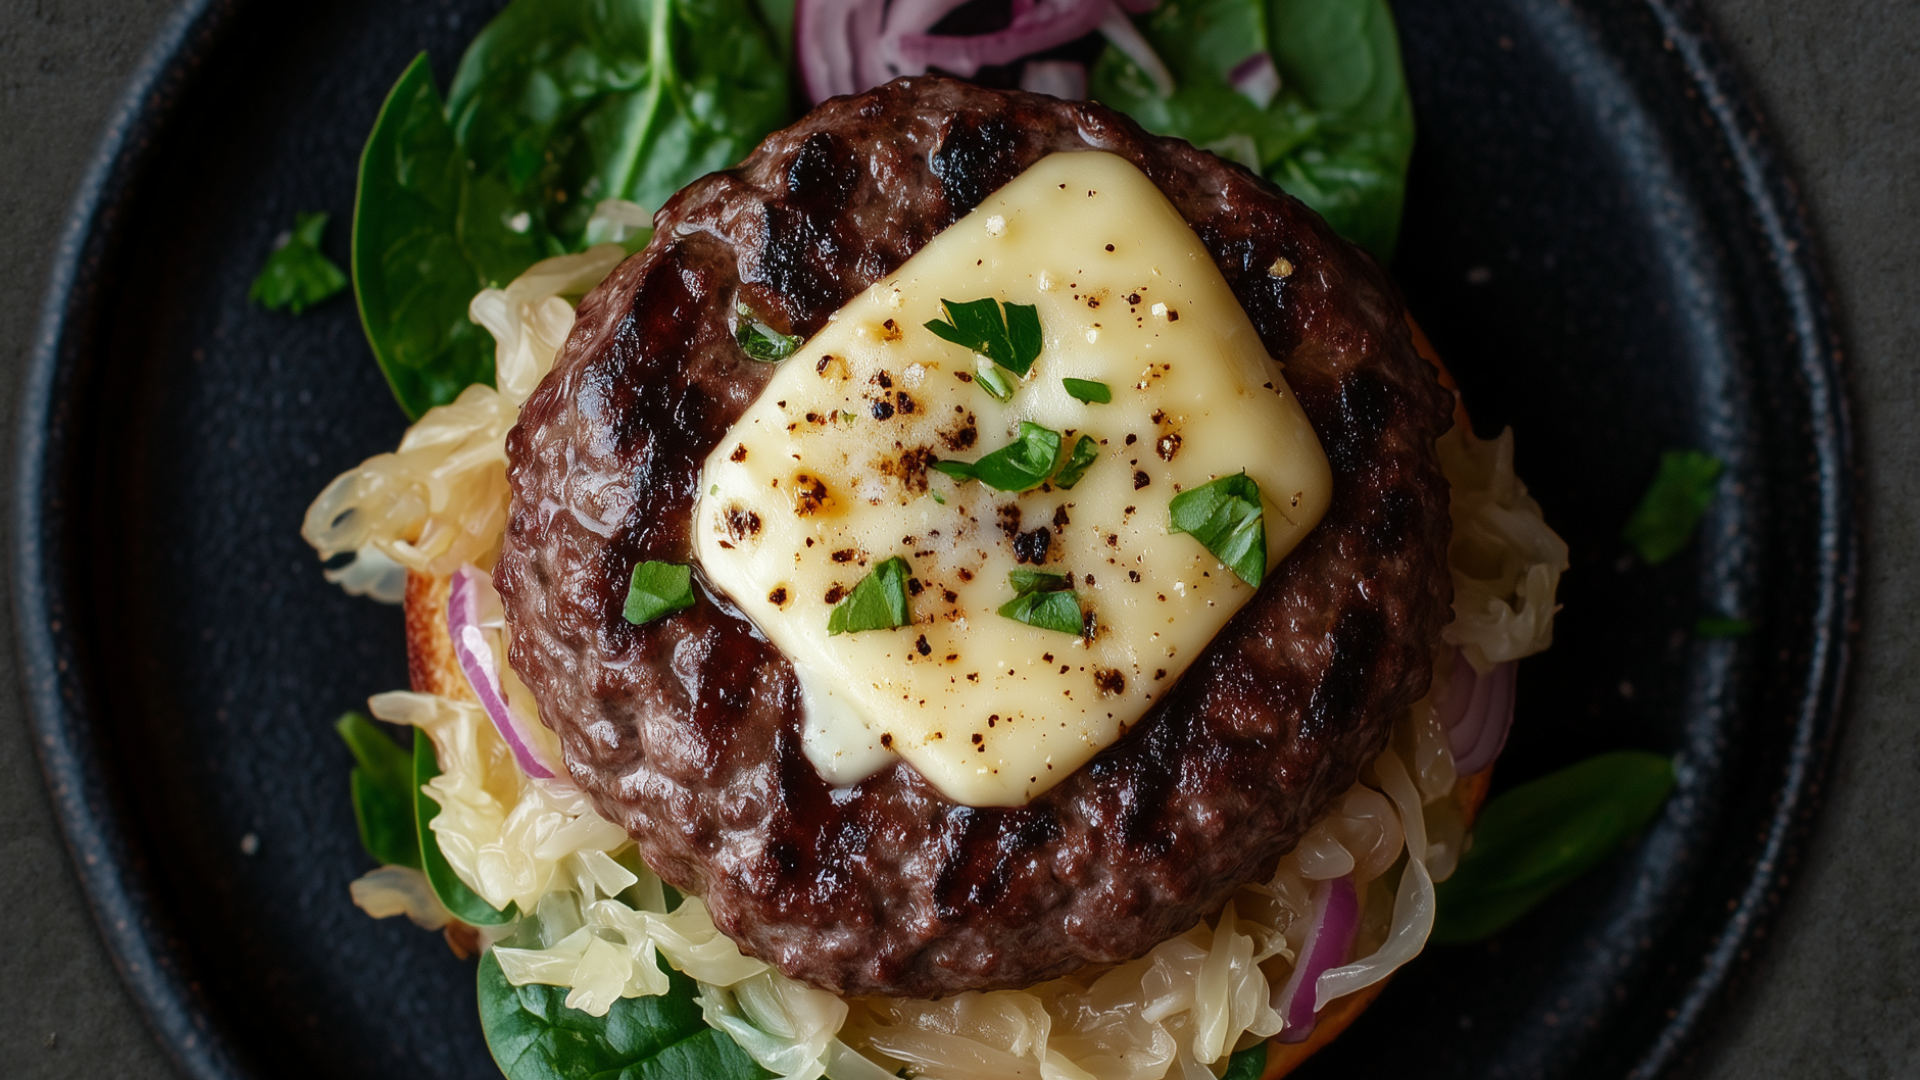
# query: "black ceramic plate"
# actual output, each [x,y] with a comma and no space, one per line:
[1597,238]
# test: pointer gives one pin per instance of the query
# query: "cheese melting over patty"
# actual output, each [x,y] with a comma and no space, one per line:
[828,474]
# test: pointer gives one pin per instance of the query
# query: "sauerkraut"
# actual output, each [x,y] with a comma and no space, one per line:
[600,920]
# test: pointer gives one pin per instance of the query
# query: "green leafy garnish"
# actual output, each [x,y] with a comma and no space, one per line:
[1089,391]
[1542,835]
[412,272]
[1248,1064]
[1227,518]
[1024,463]
[1720,626]
[658,588]
[534,1035]
[1043,600]
[760,341]
[877,602]
[1082,457]
[1673,505]
[557,106]
[297,276]
[1007,334]
[992,379]
[1337,135]
[466,905]
[382,782]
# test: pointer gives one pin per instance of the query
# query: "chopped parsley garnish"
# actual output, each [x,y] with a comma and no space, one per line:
[760,341]
[1044,601]
[1007,334]
[878,602]
[658,588]
[1673,505]
[1022,464]
[992,379]
[1721,626]
[1225,515]
[1089,391]
[297,276]
[1082,457]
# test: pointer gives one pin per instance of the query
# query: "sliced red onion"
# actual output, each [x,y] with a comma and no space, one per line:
[472,606]
[1331,928]
[1256,78]
[1120,30]
[836,43]
[1036,28]
[1064,79]
[1476,711]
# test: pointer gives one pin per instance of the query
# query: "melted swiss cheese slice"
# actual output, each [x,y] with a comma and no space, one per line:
[826,475]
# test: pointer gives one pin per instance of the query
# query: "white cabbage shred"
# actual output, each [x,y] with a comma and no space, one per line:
[600,921]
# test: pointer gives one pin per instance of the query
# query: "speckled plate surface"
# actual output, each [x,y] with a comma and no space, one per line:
[1598,238]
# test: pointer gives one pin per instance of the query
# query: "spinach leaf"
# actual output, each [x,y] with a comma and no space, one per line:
[563,103]
[382,783]
[1227,517]
[557,105]
[1248,1064]
[1337,135]
[297,276]
[1007,334]
[1022,464]
[411,273]
[657,589]
[534,1035]
[1043,600]
[1082,458]
[466,905]
[1088,391]
[1542,835]
[1675,502]
[877,602]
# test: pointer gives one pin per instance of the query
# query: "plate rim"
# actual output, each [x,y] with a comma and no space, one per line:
[77,776]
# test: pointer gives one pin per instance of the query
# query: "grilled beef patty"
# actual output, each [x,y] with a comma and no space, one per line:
[687,730]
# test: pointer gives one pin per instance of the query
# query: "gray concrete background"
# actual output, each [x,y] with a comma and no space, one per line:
[1837,992]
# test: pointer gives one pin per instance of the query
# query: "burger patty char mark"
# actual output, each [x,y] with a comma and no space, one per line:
[686,731]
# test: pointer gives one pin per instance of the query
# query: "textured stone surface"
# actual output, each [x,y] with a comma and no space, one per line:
[1837,992]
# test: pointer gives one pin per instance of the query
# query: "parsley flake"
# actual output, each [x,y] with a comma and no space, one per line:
[1721,626]
[760,341]
[1044,601]
[1227,518]
[1088,391]
[657,589]
[1082,458]
[878,602]
[1022,464]
[1673,505]
[297,276]
[1007,334]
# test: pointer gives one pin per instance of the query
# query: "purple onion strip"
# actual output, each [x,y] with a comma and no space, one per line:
[1332,926]
[1042,26]
[1482,732]
[1064,79]
[1256,78]
[475,654]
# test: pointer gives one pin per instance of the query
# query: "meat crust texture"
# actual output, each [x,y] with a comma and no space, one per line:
[686,730]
